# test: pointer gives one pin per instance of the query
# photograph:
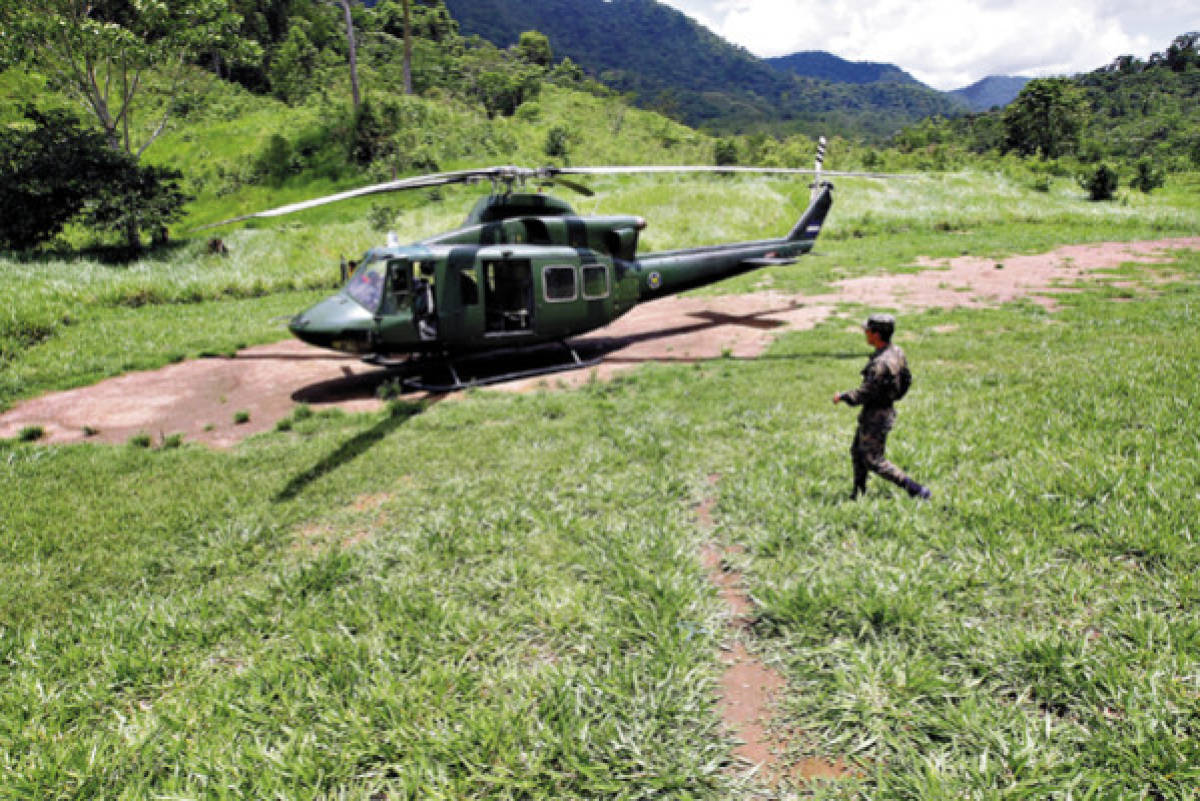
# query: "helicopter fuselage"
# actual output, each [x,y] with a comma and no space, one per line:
[522,270]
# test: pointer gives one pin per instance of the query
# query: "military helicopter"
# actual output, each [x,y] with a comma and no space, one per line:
[523,270]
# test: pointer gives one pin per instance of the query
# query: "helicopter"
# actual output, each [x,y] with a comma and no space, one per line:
[523,271]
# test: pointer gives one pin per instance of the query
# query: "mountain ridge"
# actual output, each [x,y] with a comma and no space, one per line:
[672,63]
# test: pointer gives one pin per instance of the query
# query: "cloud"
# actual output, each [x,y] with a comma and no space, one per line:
[951,43]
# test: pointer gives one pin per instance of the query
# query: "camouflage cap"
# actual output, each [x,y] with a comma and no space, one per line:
[882,324]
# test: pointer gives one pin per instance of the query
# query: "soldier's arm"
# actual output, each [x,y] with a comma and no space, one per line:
[872,388]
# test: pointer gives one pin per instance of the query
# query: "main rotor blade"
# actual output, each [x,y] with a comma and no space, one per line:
[416,182]
[654,169]
[578,187]
[510,175]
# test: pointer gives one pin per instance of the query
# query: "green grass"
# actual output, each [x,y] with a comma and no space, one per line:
[1031,631]
[501,597]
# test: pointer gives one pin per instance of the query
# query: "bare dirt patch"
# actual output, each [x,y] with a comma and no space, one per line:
[201,399]
[748,686]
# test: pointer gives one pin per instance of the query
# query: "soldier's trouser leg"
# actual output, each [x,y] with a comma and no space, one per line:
[870,442]
[860,468]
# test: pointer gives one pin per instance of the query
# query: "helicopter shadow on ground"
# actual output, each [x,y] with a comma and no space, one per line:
[349,387]
[608,348]
[398,415]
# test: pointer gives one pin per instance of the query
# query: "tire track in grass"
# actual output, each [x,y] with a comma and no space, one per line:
[748,686]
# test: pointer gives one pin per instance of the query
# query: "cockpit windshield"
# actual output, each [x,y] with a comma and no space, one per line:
[366,284]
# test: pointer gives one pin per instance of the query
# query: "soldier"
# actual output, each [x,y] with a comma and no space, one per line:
[885,380]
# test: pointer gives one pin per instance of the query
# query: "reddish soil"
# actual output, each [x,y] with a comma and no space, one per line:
[749,687]
[199,399]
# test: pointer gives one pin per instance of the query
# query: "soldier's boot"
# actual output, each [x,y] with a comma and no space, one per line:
[915,490]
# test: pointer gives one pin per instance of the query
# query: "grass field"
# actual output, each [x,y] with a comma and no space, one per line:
[500,597]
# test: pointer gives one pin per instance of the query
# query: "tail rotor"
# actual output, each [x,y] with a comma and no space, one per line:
[816,184]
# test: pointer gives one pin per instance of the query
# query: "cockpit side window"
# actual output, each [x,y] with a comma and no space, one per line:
[366,284]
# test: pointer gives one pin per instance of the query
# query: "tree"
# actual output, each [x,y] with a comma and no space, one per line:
[534,48]
[407,48]
[54,170]
[1047,118]
[98,51]
[294,66]
[48,167]
[350,41]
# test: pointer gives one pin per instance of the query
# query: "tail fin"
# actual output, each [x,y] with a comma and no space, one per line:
[809,225]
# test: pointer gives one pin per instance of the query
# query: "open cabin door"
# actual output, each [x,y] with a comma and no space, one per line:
[507,296]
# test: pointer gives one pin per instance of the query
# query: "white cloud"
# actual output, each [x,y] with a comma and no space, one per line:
[952,43]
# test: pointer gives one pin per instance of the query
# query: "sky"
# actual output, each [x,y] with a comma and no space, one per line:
[949,44]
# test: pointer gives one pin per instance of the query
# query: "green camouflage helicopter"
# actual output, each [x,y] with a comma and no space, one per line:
[523,270]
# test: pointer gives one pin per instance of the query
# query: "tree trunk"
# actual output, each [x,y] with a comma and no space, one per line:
[353,54]
[133,237]
[407,48]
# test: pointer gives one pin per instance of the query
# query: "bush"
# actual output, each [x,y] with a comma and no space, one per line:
[1148,176]
[31,433]
[1100,184]
[276,161]
[54,170]
[557,142]
[49,168]
[725,152]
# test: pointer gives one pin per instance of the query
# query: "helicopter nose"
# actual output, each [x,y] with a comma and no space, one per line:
[336,322]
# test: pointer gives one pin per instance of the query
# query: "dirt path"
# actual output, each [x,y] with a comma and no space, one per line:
[200,399]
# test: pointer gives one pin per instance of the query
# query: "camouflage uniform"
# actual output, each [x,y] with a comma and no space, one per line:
[880,386]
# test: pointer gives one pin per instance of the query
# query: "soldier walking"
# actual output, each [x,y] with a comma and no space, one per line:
[885,380]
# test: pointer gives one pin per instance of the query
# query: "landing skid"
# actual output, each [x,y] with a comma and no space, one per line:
[445,373]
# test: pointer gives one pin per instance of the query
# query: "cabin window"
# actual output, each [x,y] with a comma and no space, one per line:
[559,282]
[595,281]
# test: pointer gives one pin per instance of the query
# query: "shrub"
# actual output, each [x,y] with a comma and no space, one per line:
[241,416]
[276,161]
[1101,183]
[31,433]
[557,142]
[50,167]
[1148,176]
[381,216]
[725,152]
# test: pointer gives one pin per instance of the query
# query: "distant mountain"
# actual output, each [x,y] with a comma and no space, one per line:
[828,67]
[992,91]
[670,62]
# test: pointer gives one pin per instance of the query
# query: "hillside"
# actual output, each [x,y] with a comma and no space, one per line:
[994,90]
[1133,109]
[828,67]
[670,62]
